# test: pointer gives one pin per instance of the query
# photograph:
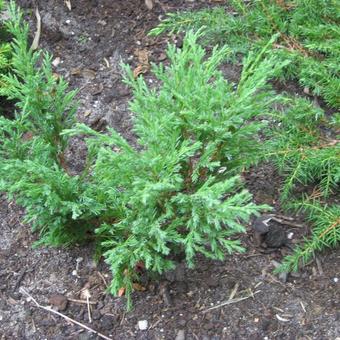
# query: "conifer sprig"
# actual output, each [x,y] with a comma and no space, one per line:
[325,221]
[41,97]
[304,153]
[308,37]
[309,42]
[181,191]
[307,155]
[32,165]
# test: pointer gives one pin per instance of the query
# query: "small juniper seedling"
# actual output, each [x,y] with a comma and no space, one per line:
[32,168]
[180,191]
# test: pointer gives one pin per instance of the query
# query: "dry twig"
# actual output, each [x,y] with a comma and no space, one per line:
[36,39]
[48,309]
[319,266]
[291,224]
[82,301]
[234,291]
[229,302]
[103,278]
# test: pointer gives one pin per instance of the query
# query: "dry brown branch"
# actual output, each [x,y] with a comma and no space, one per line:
[302,150]
[332,226]
[103,278]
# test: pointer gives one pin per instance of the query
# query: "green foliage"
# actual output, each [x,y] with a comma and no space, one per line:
[304,153]
[41,98]
[179,190]
[5,54]
[301,139]
[306,150]
[32,165]
[325,233]
[309,36]
[5,49]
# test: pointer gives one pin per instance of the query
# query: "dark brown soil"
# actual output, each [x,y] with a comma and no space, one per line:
[90,41]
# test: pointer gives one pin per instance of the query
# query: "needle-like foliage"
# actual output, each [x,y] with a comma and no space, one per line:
[41,96]
[325,233]
[309,36]
[306,148]
[5,50]
[179,191]
[303,142]
[32,165]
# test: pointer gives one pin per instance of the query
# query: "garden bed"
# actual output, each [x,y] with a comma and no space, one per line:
[88,44]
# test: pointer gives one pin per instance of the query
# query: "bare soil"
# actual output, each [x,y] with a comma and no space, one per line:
[88,43]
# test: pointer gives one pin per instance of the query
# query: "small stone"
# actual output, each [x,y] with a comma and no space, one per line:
[85,336]
[336,280]
[180,335]
[162,57]
[56,61]
[283,277]
[295,274]
[275,263]
[276,237]
[92,263]
[143,325]
[59,301]
[149,4]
